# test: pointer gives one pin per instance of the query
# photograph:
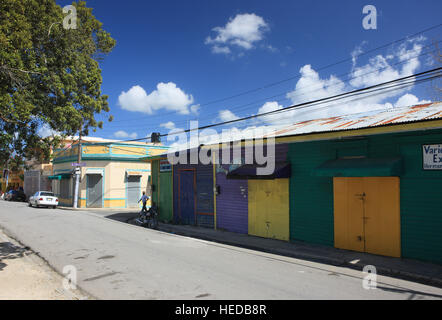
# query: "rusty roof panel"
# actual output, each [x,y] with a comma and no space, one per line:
[365,120]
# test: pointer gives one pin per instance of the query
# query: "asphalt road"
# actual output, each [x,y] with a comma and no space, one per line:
[115,260]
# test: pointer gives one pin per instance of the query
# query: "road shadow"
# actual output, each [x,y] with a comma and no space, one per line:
[10,251]
[126,217]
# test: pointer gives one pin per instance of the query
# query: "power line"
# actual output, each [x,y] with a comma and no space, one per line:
[326,87]
[408,80]
[297,76]
[397,87]
[309,102]
[324,67]
[241,107]
[392,88]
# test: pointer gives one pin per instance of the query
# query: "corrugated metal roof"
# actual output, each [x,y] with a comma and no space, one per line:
[372,119]
[391,116]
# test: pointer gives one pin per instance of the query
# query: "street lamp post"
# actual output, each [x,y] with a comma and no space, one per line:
[77,173]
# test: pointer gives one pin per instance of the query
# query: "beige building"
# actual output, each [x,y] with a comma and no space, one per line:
[112,176]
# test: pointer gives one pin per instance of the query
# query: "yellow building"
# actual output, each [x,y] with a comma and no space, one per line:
[112,173]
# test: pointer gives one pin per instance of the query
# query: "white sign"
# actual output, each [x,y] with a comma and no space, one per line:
[432,156]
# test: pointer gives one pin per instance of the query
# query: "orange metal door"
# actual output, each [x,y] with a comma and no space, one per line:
[349,213]
[367,215]
[382,216]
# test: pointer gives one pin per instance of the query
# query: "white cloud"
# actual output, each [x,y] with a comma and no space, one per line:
[168,125]
[227,115]
[195,108]
[220,49]
[273,119]
[167,96]
[381,68]
[409,99]
[356,52]
[242,31]
[311,87]
[121,134]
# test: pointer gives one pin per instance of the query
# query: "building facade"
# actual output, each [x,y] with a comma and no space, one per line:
[112,175]
[162,186]
[193,201]
[367,183]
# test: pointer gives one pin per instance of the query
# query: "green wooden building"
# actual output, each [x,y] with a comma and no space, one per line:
[375,188]
[161,186]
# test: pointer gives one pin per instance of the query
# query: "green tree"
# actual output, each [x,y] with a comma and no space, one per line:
[49,75]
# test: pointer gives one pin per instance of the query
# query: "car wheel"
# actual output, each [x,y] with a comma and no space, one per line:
[30,204]
[53,207]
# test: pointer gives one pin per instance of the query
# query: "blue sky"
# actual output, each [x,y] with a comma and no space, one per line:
[174,57]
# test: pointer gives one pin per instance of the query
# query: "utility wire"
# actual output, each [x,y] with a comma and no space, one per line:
[324,67]
[399,82]
[241,107]
[309,102]
[297,76]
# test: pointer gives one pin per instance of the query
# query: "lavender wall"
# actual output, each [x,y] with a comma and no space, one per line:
[232,208]
[232,204]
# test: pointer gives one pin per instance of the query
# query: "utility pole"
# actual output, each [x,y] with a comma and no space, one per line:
[77,173]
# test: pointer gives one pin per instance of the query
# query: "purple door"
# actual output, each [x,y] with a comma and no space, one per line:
[186,205]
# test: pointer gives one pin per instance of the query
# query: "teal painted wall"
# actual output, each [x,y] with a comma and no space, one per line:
[155,176]
[311,198]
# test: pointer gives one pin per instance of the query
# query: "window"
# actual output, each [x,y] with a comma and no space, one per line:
[47,194]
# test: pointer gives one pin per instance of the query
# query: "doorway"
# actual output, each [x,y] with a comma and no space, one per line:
[367,215]
[94,197]
[269,208]
[186,197]
[133,191]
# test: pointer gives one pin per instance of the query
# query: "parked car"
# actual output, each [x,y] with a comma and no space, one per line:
[43,198]
[15,195]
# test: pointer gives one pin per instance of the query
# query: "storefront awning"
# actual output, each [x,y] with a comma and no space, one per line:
[133,173]
[360,167]
[249,171]
[94,171]
[60,176]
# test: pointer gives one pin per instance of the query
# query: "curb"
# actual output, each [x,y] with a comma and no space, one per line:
[385,271]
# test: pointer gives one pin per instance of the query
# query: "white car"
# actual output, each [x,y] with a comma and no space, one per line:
[43,198]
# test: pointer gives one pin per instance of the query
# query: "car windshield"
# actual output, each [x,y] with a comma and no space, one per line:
[48,194]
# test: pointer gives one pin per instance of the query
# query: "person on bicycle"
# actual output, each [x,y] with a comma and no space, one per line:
[144,198]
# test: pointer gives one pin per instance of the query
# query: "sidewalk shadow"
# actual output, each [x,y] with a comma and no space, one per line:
[10,251]
[413,294]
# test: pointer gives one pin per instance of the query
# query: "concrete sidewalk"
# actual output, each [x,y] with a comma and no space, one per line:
[407,269]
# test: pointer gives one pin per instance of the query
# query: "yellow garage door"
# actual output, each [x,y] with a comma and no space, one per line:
[269,208]
[367,215]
